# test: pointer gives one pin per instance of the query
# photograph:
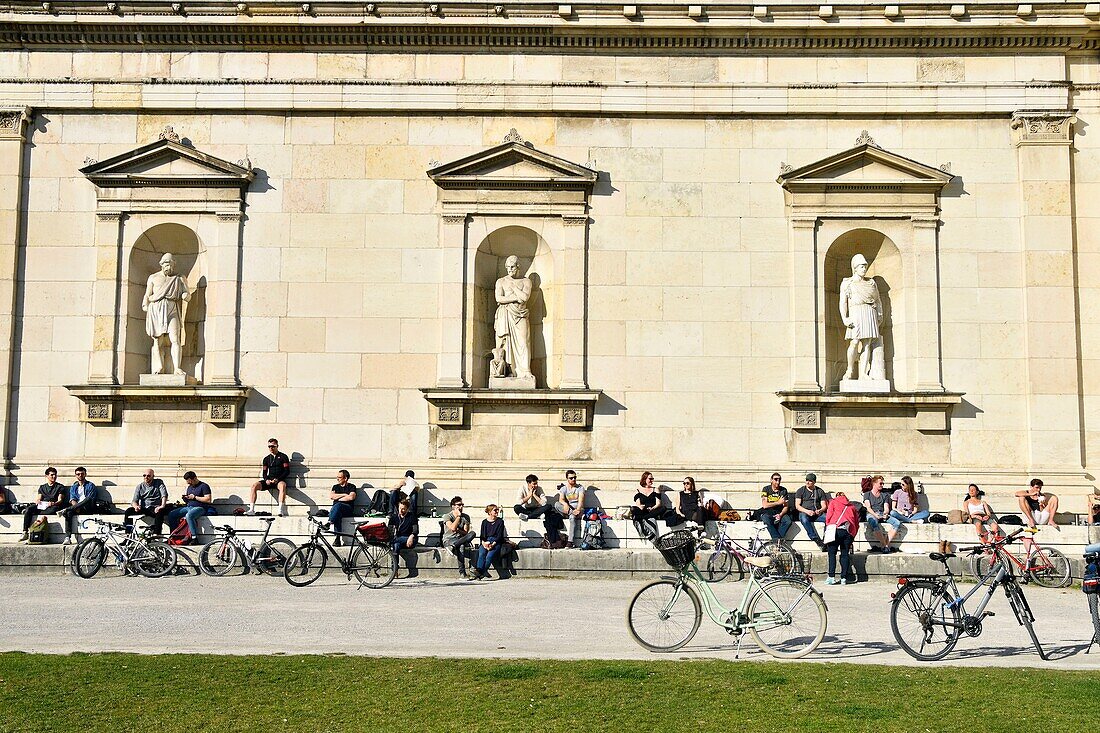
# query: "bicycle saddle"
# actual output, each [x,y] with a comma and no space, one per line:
[759,562]
[941,556]
[269,520]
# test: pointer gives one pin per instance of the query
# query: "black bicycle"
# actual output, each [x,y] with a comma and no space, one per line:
[928,615]
[218,556]
[373,563]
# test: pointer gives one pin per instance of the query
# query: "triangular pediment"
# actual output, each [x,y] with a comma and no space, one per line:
[512,165]
[865,165]
[168,163]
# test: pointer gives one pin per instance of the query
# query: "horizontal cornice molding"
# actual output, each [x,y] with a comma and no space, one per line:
[584,98]
[92,27]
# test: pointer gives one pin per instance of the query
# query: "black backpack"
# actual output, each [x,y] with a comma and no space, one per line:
[380,502]
[1010,520]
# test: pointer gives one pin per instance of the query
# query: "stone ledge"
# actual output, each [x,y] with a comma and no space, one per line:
[451,407]
[221,404]
[807,411]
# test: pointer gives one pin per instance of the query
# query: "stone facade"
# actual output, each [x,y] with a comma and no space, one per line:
[682,184]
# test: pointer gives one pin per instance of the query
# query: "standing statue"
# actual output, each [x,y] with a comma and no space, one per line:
[861,312]
[165,306]
[512,324]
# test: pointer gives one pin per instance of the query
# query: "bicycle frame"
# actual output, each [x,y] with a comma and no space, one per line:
[319,535]
[248,555]
[993,579]
[735,621]
[109,533]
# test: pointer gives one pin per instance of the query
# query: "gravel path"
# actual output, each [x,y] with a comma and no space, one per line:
[516,618]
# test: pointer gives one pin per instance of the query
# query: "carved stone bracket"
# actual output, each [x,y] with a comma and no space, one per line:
[931,411]
[13,122]
[452,407]
[104,403]
[1043,127]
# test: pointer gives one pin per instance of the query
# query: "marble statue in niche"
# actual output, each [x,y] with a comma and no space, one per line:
[861,312]
[165,306]
[511,364]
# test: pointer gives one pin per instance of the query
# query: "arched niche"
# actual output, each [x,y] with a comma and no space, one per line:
[184,244]
[885,269]
[536,262]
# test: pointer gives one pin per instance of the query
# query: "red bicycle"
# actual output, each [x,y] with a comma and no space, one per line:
[1046,566]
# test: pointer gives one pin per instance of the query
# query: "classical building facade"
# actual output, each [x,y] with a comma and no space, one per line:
[674,199]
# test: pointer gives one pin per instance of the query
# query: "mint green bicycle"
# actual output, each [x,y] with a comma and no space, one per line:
[785,615]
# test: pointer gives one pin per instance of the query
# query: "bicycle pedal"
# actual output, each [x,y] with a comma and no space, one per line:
[988,614]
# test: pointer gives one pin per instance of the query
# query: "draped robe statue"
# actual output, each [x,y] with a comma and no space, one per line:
[861,312]
[165,306]
[512,324]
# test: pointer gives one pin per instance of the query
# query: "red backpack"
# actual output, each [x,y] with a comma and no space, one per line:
[374,532]
[181,535]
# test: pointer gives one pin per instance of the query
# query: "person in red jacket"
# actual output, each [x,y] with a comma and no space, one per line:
[843,515]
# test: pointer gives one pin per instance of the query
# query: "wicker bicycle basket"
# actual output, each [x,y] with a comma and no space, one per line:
[678,548]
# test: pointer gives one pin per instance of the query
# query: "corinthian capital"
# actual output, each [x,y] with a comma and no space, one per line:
[1043,127]
[13,122]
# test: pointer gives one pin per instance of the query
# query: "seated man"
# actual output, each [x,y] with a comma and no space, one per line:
[457,534]
[407,488]
[878,506]
[1092,515]
[150,500]
[273,476]
[1037,506]
[197,502]
[570,504]
[343,502]
[405,528]
[533,504]
[811,502]
[775,508]
[52,498]
[83,499]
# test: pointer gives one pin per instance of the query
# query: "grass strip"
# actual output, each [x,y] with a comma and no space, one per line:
[167,693]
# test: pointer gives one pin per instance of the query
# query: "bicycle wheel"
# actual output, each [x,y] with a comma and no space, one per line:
[154,559]
[305,565]
[925,623]
[785,561]
[374,566]
[788,617]
[88,557]
[1050,569]
[271,557]
[1023,612]
[664,615]
[217,557]
[1094,609]
[721,564]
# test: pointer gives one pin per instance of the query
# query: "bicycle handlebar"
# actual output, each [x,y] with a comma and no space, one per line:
[101,523]
[1008,539]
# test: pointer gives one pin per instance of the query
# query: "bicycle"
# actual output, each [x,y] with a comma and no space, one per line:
[928,615]
[786,616]
[218,556]
[1089,583]
[372,563]
[1046,566]
[135,553]
[728,556]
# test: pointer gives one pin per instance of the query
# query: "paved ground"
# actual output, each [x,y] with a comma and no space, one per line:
[514,618]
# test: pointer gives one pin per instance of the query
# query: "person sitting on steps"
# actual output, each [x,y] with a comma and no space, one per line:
[83,499]
[342,495]
[532,503]
[52,498]
[878,506]
[407,488]
[198,501]
[1037,506]
[457,535]
[811,502]
[405,528]
[775,508]
[150,500]
[570,504]
[979,513]
[647,508]
[273,476]
[493,537]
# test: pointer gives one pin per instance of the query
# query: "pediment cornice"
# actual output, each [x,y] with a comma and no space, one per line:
[168,163]
[865,167]
[513,165]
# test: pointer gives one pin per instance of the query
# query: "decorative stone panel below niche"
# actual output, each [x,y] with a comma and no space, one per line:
[453,408]
[930,411]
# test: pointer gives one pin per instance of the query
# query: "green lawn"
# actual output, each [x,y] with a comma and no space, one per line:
[120,692]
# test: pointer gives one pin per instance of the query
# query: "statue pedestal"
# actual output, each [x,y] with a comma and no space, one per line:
[865,386]
[512,382]
[165,380]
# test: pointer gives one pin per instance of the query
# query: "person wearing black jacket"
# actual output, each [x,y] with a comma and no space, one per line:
[404,528]
[276,468]
[52,497]
[493,536]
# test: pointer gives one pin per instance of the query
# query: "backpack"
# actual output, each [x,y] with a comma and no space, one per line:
[1090,580]
[713,510]
[1011,519]
[39,532]
[865,484]
[374,532]
[937,519]
[730,515]
[592,539]
[380,503]
[181,535]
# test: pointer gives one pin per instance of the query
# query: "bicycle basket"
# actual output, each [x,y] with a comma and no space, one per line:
[678,548]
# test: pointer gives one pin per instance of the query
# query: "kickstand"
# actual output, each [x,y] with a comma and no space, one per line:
[737,651]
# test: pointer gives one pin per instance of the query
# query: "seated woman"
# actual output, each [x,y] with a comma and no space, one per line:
[906,507]
[979,513]
[844,515]
[647,508]
[343,502]
[689,507]
[493,536]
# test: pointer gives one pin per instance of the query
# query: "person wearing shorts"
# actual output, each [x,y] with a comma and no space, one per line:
[1037,506]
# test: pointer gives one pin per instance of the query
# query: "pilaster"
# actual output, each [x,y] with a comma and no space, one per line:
[13,124]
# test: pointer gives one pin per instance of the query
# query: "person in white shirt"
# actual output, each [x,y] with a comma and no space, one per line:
[570,503]
[406,488]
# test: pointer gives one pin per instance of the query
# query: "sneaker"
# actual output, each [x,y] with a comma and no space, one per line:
[888,550]
[70,540]
[250,513]
[830,581]
[282,510]
[874,549]
[462,573]
[523,517]
[820,544]
[24,537]
[844,581]
[918,521]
